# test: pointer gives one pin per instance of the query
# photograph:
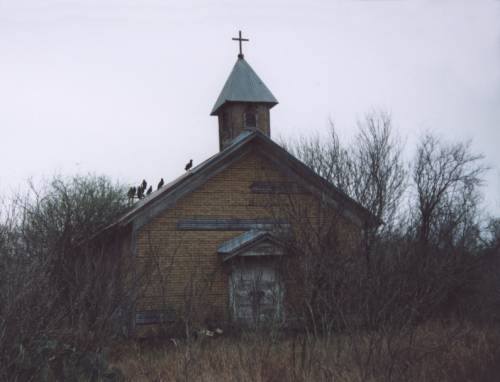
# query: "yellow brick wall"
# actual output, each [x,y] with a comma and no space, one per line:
[178,258]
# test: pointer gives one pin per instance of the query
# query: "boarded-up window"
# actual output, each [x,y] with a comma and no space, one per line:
[276,188]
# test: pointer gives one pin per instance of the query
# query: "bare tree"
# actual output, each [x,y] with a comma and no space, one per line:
[446,179]
[494,230]
[326,156]
[379,176]
[370,169]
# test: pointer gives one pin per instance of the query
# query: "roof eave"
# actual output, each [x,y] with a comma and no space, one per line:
[217,108]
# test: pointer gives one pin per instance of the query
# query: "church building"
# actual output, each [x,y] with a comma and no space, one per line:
[212,239]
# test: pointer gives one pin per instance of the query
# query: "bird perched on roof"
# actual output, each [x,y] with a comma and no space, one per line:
[144,184]
[160,185]
[131,192]
[150,190]
[189,165]
[140,192]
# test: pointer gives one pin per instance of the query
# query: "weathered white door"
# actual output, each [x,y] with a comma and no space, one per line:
[256,294]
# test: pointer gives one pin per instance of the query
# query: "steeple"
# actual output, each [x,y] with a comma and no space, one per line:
[243,103]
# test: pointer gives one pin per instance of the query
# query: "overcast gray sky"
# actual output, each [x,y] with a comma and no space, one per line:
[125,87]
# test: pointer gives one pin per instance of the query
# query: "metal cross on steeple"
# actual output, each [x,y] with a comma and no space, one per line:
[240,39]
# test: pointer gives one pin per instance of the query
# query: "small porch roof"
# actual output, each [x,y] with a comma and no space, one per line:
[243,243]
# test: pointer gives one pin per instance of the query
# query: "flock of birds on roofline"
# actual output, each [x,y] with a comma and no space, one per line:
[142,190]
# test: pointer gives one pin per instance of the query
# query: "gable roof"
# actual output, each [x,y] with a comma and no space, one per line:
[243,85]
[164,198]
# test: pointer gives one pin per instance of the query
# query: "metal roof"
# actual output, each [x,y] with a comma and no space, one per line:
[243,85]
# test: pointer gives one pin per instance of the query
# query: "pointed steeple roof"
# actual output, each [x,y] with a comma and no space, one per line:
[243,85]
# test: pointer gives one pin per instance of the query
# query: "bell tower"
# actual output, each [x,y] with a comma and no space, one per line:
[244,102]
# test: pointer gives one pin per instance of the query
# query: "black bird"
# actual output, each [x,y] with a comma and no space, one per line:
[144,185]
[150,190]
[160,185]
[189,165]
[131,193]
[140,192]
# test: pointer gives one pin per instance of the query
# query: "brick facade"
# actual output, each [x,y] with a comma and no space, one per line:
[185,263]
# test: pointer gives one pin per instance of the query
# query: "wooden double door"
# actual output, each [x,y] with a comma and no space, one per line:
[256,293]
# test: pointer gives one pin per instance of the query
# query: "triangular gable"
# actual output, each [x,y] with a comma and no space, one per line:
[317,185]
[164,198]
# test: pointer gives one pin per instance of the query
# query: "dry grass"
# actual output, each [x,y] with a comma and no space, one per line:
[435,353]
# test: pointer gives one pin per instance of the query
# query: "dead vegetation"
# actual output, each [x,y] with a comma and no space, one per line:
[439,352]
